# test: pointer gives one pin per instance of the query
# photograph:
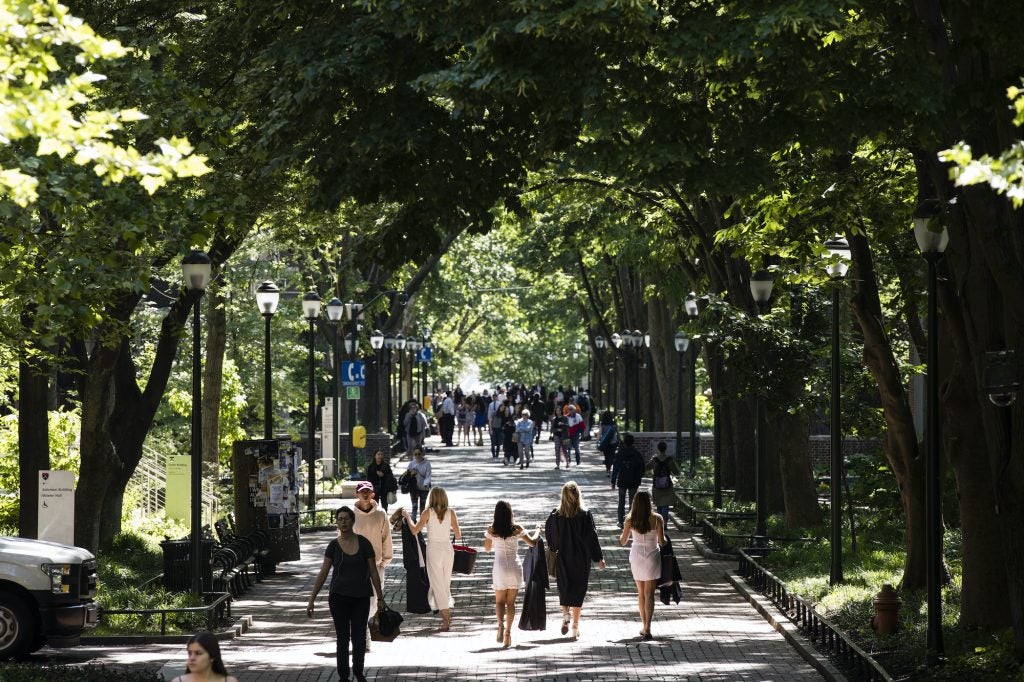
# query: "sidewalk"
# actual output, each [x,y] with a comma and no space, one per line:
[713,634]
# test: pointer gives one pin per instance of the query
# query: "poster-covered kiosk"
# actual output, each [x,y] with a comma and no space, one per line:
[267,477]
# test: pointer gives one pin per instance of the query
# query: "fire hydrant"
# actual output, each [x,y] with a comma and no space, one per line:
[887,611]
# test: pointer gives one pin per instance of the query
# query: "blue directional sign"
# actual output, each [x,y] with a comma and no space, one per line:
[353,373]
[424,355]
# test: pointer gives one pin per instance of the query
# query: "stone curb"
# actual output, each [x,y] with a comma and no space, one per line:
[786,628]
[708,553]
[236,630]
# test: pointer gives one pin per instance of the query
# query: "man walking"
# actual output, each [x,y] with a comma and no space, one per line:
[372,524]
[627,473]
[574,423]
[447,419]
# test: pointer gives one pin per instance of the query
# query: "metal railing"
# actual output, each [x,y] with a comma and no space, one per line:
[723,543]
[150,481]
[218,611]
[819,629]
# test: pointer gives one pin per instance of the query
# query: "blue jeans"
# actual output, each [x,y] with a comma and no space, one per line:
[419,501]
[624,494]
[574,444]
[496,438]
[663,510]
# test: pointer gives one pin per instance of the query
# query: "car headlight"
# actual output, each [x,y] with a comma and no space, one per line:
[59,574]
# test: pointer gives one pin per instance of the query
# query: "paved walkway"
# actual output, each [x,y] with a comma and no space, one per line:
[713,634]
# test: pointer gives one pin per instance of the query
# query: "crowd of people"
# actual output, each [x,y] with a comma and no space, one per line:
[565,545]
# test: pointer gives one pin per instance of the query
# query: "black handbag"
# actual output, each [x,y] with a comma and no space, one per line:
[465,559]
[384,626]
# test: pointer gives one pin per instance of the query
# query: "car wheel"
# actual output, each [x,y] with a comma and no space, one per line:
[17,627]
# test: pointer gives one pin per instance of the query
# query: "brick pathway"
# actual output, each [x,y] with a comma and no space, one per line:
[713,634]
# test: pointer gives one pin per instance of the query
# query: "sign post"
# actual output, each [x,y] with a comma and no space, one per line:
[57,506]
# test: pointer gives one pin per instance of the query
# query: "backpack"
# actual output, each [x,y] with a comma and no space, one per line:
[414,426]
[662,481]
[631,470]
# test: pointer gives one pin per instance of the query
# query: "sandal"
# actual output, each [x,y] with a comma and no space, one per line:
[565,625]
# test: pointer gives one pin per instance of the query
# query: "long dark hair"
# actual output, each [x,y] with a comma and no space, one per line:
[640,514]
[503,526]
[210,645]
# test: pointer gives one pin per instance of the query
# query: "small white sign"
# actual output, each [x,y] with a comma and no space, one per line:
[57,506]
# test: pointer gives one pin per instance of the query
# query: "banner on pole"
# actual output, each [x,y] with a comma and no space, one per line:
[56,506]
[178,495]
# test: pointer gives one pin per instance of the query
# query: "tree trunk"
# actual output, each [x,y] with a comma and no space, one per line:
[98,461]
[792,446]
[213,372]
[33,441]
[741,448]
[900,445]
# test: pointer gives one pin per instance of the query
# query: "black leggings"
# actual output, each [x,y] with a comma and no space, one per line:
[350,615]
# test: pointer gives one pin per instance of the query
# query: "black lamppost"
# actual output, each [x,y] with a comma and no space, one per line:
[429,345]
[931,240]
[692,310]
[716,500]
[267,295]
[836,264]
[354,313]
[637,341]
[389,346]
[195,270]
[761,283]
[413,345]
[648,409]
[599,344]
[681,342]
[335,310]
[376,343]
[617,344]
[400,342]
[311,311]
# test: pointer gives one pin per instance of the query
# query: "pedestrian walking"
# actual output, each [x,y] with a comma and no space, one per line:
[502,538]
[446,419]
[646,529]
[627,473]
[441,522]
[379,473]
[608,441]
[496,423]
[571,534]
[419,482]
[524,438]
[354,580]
[663,467]
[480,405]
[372,523]
[462,417]
[575,427]
[204,660]
[561,440]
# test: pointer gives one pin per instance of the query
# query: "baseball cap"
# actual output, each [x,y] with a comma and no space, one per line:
[364,485]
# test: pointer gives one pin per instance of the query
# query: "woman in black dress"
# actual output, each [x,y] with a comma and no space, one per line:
[383,479]
[570,532]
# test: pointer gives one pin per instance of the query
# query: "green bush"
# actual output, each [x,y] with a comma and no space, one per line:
[34,673]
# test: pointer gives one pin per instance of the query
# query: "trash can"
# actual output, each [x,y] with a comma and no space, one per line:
[327,468]
[178,565]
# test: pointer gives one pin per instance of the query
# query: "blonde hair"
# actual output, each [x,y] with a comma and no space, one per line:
[572,500]
[437,502]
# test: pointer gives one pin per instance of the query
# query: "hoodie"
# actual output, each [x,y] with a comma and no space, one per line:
[373,525]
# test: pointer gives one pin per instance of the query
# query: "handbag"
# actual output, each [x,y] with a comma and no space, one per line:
[551,555]
[392,497]
[384,626]
[465,559]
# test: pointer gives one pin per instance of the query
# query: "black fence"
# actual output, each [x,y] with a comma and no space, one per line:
[857,663]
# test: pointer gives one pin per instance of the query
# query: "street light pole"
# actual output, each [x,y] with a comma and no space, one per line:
[681,342]
[932,239]
[335,310]
[761,283]
[692,310]
[637,339]
[599,344]
[376,343]
[267,295]
[354,312]
[195,270]
[617,342]
[311,310]
[389,346]
[836,266]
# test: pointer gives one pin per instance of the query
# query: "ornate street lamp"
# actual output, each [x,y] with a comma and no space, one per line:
[376,343]
[335,310]
[617,342]
[354,313]
[637,341]
[837,262]
[195,270]
[681,342]
[692,311]
[267,295]
[311,311]
[599,344]
[761,283]
[932,239]
[389,346]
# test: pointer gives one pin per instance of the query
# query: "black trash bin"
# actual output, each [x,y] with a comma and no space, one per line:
[178,565]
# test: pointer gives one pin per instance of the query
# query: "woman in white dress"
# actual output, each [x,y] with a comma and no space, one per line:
[502,537]
[441,522]
[647,529]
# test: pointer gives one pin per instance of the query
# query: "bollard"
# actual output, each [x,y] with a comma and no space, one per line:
[887,611]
